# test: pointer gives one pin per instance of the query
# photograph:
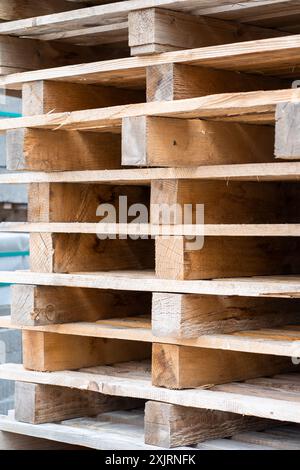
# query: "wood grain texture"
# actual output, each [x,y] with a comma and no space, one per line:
[38,404]
[23,54]
[173,81]
[156,30]
[43,150]
[256,107]
[33,305]
[287,141]
[276,171]
[223,257]
[193,142]
[272,57]
[189,316]
[43,97]
[180,367]
[50,352]
[172,426]
[146,281]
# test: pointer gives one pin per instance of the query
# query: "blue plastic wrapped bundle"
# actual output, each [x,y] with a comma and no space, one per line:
[14,255]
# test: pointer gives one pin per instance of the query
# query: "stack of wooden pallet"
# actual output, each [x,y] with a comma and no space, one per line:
[208,337]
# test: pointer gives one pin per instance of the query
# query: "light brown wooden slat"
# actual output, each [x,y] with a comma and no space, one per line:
[128,384]
[270,56]
[139,330]
[246,172]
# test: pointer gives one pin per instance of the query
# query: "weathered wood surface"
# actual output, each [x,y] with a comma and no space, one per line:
[132,380]
[258,107]
[285,171]
[146,281]
[268,56]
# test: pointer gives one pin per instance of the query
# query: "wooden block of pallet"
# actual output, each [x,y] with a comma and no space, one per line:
[43,150]
[37,404]
[193,142]
[45,305]
[190,316]
[174,81]
[157,30]
[52,352]
[173,426]
[180,367]
[223,257]
[43,97]
[287,141]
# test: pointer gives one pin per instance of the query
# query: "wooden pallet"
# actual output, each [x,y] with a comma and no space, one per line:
[172,418]
[125,431]
[114,29]
[213,324]
[149,27]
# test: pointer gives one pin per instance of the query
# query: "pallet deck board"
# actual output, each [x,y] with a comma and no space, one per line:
[146,281]
[283,171]
[256,107]
[277,342]
[116,12]
[127,380]
[275,56]
[123,431]
[211,230]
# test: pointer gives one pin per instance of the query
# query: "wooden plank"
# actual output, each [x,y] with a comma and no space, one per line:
[52,352]
[287,143]
[139,329]
[255,107]
[266,439]
[172,426]
[156,30]
[268,56]
[37,404]
[279,171]
[146,281]
[190,316]
[33,306]
[173,81]
[114,35]
[180,367]
[43,150]
[126,382]
[15,441]
[108,13]
[151,230]
[223,257]
[193,142]
[120,431]
[57,97]
[76,252]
